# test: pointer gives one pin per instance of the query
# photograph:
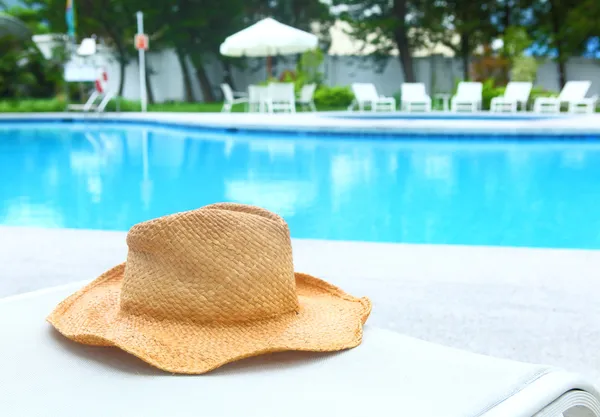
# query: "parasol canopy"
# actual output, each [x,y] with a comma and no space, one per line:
[11,26]
[268,37]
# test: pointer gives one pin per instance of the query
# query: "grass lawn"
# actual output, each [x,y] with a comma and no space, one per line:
[56,105]
[213,107]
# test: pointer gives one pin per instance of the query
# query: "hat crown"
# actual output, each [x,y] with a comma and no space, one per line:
[221,263]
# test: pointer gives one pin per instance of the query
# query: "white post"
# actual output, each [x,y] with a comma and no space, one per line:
[142,63]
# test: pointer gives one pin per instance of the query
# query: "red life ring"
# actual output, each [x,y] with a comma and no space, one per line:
[99,86]
[102,82]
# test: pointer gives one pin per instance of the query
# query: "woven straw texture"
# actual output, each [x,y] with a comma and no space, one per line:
[207,287]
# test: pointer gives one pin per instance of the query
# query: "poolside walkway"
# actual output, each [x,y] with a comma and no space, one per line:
[525,304]
[353,123]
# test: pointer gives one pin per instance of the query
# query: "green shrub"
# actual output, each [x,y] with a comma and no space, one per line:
[516,42]
[32,106]
[489,92]
[540,92]
[333,97]
[307,69]
[24,72]
[524,68]
[123,105]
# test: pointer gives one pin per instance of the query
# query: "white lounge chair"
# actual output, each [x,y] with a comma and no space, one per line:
[45,374]
[414,97]
[365,95]
[104,98]
[306,98]
[282,97]
[258,99]
[90,104]
[468,97]
[516,95]
[231,98]
[573,94]
[101,92]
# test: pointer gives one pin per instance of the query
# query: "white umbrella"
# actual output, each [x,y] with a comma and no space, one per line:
[266,38]
[11,26]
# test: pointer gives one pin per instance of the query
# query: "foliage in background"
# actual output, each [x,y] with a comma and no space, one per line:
[59,105]
[584,21]
[32,106]
[386,26]
[333,97]
[489,91]
[307,71]
[25,73]
[463,26]
[554,34]
[524,68]
[308,68]
[194,29]
[490,66]
[516,42]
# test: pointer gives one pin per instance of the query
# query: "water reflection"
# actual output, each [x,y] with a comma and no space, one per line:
[470,192]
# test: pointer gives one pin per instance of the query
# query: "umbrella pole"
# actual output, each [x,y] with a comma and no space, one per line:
[269,67]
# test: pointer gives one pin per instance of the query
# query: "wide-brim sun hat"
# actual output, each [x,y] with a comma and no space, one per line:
[210,286]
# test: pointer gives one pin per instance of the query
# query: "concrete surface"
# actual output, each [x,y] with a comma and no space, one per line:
[331,122]
[534,305]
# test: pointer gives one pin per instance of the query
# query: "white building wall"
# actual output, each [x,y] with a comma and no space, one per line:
[439,73]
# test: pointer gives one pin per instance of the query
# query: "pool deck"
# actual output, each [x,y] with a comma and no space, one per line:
[342,123]
[534,305]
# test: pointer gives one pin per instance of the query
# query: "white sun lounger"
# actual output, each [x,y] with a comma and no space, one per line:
[231,98]
[468,97]
[365,95]
[573,94]
[306,98]
[44,374]
[516,94]
[414,97]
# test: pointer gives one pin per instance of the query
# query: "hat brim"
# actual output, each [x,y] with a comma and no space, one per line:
[328,320]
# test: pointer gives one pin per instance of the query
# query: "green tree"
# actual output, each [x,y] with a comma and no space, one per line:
[310,16]
[584,20]
[516,43]
[194,29]
[556,34]
[462,25]
[111,20]
[387,25]
[114,22]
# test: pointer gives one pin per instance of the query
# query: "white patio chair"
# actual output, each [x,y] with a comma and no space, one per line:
[231,98]
[258,99]
[573,94]
[365,95]
[516,94]
[414,97]
[468,97]
[282,97]
[45,374]
[306,98]
[90,105]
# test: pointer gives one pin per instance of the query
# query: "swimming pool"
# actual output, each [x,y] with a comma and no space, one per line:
[480,191]
[446,116]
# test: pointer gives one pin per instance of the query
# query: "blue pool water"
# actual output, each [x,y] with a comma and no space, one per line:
[446,116]
[542,193]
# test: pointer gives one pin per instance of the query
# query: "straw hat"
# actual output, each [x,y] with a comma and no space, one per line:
[207,287]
